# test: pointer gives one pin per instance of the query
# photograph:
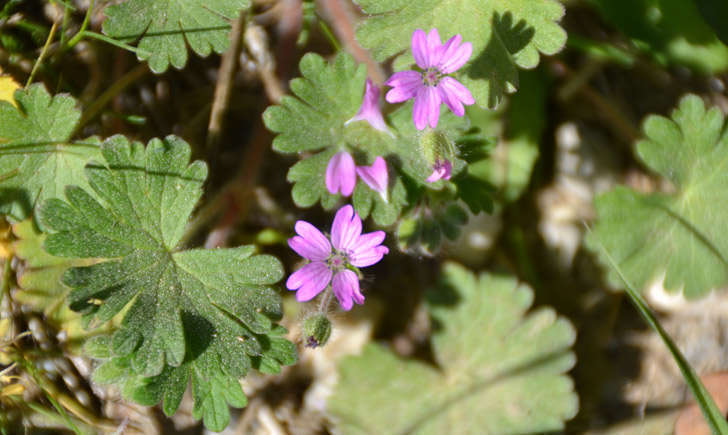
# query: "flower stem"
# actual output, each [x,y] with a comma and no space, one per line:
[325,301]
[78,36]
[43,52]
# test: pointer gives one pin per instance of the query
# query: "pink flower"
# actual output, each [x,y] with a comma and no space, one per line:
[341,174]
[442,170]
[369,110]
[376,176]
[351,250]
[432,87]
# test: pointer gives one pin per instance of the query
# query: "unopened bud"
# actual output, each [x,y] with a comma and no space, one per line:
[316,330]
[436,147]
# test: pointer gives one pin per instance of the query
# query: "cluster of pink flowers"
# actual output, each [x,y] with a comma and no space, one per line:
[351,250]
[430,89]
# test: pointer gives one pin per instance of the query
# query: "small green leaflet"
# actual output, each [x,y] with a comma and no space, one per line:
[499,369]
[37,158]
[199,316]
[164,28]
[506,34]
[679,236]
[326,97]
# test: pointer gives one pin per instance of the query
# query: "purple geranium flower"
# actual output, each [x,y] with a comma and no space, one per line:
[341,174]
[369,110]
[376,176]
[351,249]
[441,170]
[432,87]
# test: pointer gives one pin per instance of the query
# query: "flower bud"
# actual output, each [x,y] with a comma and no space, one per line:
[436,146]
[439,152]
[316,330]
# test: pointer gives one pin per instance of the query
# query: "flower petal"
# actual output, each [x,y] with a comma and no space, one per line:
[375,176]
[310,243]
[369,110]
[426,107]
[441,170]
[453,57]
[456,89]
[450,99]
[404,86]
[346,229]
[346,289]
[367,257]
[341,174]
[309,280]
[419,48]
[449,48]
[434,48]
[369,241]
[433,102]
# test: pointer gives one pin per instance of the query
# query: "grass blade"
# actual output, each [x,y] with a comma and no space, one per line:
[715,419]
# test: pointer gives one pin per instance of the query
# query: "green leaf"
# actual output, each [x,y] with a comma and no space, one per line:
[679,235]
[672,31]
[199,316]
[37,158]
[40,287]
[326,97]
[499,369]
[506,34]
[164,28]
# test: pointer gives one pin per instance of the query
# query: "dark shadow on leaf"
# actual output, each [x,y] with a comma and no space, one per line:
[199,333]
[473,146]
[444,295]
[475,192]
[13,196]
[495,64]
[514,36]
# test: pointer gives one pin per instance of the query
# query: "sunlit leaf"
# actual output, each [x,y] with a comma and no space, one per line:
[678,236]
[165,28]
[499,369]
[37,157]
[199,316]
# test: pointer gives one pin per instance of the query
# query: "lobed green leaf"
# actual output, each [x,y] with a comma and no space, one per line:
[37,157]
[165,28]
[675,238]
[499,368]
[196,316]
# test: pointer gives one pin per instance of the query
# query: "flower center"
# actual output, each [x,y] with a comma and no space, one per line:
[338,260]
[431,76]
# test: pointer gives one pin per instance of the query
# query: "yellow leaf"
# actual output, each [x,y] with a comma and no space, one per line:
[8,86]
